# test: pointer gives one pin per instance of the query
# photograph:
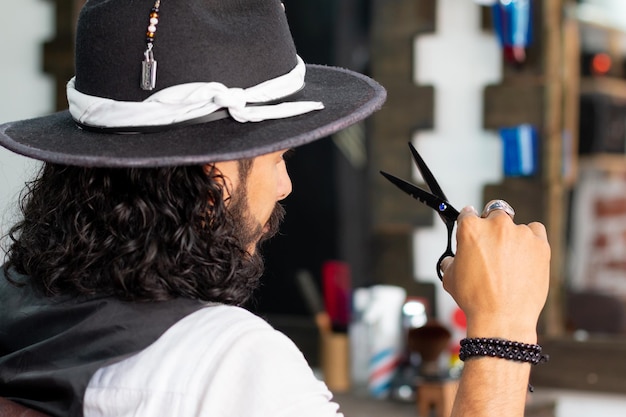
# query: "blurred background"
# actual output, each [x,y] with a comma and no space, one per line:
[523,100]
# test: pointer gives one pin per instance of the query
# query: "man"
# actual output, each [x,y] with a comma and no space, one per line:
[139,238]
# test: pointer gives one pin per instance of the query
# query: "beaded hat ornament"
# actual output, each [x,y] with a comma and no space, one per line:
[230,85]
[149,65]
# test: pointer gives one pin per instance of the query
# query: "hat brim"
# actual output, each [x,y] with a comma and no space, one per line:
[348,97]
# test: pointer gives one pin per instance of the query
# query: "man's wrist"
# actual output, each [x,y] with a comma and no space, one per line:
[496,329]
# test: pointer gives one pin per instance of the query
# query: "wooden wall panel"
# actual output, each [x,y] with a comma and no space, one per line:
[58,54]
[409,107]
[534,93]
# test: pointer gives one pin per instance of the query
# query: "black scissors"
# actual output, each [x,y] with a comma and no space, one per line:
[437,200]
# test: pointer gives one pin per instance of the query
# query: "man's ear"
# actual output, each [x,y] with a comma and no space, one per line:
[212,170]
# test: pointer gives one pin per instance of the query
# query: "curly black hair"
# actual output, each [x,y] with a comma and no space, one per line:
[135,233]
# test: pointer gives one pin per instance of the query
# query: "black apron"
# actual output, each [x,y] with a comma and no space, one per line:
[51,347]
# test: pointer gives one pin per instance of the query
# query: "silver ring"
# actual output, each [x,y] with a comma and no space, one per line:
[498,205]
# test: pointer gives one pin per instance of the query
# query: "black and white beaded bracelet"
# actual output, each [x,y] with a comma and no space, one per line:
[501,348]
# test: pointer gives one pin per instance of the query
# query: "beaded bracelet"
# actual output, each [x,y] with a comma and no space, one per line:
[501,348]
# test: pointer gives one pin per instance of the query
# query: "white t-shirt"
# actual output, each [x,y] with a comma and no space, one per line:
[220,361]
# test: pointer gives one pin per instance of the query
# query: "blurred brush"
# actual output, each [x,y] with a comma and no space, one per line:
[312,298]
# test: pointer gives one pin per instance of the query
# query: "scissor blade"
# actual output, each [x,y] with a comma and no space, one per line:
[414,191]
[442,207]
[428,176]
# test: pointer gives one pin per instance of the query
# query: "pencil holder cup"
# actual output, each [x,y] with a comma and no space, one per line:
[335,361]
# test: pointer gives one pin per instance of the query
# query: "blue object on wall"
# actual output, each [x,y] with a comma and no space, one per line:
[520,148]
[512,20]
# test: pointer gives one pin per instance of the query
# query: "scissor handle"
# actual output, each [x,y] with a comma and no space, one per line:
[448,252]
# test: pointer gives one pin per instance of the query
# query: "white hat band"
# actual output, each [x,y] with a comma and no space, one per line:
[191,101]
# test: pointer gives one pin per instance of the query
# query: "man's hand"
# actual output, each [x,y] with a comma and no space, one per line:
[500,278]
[500,275]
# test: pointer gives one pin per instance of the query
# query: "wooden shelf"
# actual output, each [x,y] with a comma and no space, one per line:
[592,16]
[597,364]
[613,87]
[605,162]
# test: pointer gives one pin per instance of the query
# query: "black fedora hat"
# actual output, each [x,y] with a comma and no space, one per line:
[177,83]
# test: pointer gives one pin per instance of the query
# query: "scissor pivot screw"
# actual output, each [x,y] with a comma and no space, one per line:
[442,207]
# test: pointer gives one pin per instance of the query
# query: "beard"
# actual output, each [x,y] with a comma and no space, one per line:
[249,234]
[247,229]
